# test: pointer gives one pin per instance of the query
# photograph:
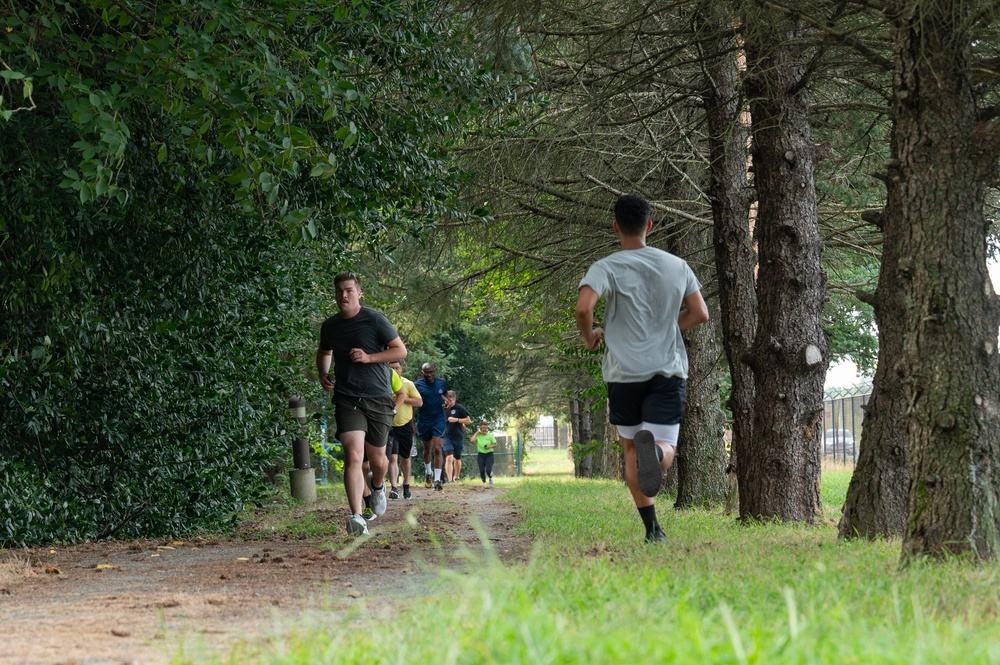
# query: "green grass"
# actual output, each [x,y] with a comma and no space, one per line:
[718,592]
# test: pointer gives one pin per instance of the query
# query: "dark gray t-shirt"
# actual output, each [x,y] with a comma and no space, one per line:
[368,330]
[643,291]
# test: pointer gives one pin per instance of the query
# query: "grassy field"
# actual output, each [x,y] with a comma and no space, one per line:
[717,592]
[548,462]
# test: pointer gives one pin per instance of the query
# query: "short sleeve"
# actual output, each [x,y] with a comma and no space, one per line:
[384,331]
[596,278]
[397,383]
[692,282]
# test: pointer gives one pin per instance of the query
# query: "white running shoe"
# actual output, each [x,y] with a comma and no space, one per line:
[356,526]
[378,501]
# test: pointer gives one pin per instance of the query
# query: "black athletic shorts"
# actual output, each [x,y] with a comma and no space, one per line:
[659,401]
[402,440]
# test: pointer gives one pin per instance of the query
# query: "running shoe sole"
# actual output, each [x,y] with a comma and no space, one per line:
[647,463]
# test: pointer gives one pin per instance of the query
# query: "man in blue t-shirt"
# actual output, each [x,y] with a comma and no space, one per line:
[431,422]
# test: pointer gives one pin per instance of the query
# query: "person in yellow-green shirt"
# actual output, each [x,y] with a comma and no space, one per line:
[401,434]
[485,444]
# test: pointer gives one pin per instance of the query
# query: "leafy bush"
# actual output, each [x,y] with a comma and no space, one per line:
[190,174]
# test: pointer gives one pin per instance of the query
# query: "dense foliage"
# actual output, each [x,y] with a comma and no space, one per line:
[177,177]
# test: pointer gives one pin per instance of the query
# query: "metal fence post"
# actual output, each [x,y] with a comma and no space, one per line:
[520,447]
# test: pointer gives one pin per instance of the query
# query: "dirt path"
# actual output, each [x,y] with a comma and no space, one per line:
[139,602]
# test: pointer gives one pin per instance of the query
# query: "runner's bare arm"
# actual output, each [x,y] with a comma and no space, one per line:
[695,311]
[585,303]
[323,359]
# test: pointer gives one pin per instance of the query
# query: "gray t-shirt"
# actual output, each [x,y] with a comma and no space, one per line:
[643,290]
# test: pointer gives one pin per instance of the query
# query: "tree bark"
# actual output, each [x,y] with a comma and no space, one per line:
[876,498]
[943,158]
[701,450]
[731,196]
[788,355]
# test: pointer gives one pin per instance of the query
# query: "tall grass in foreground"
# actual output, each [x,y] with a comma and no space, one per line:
[718,592]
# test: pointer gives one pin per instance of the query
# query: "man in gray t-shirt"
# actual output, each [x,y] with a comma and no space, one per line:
[650,297]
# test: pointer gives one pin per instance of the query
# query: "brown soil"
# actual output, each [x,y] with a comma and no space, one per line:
[141,602]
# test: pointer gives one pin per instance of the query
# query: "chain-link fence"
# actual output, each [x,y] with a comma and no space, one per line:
[843,419]
[507,456]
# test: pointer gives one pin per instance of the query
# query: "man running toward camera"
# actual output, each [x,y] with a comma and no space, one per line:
[401,436]
[360,342]
[431,422]
[456,418]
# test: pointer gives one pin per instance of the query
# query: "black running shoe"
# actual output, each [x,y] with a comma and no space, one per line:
[647,462]
[657,536]
[438,485]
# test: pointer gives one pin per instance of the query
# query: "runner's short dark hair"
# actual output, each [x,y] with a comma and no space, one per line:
[631,213]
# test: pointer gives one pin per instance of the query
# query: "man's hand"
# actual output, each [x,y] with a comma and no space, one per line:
[359,356]
[596,337]
[324,380]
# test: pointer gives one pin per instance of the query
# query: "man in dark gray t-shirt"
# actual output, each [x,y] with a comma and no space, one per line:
[360,342]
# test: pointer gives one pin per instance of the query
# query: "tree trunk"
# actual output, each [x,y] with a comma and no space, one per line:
[701,451]
[788,354]
[731,195]
[609,461]
[596,453]
[876,498]
[943,158]
[583,436]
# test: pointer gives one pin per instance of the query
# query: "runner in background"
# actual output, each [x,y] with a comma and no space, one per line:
[430,422]
[486,443]
[401,436]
